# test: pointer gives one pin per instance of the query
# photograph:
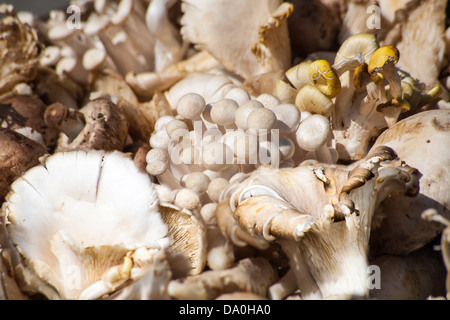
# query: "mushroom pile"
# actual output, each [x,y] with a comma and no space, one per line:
[258,149]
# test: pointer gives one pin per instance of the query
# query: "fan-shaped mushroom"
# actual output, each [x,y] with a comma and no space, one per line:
[317,206]
[87,212]
[422,142]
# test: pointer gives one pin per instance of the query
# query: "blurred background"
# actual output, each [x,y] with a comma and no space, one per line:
[40,7]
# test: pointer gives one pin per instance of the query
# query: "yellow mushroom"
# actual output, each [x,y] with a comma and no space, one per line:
[311,99]
[298,74]
[322,75]
[383,62]
[354,51]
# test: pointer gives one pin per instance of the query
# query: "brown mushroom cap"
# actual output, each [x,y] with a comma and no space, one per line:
[17,155]
[30,112]
[106,128]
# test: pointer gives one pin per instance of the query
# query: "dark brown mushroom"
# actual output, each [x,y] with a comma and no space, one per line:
[17,154]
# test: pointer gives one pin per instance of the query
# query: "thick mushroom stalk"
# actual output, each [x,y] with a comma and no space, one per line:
[76,216]
[319,206]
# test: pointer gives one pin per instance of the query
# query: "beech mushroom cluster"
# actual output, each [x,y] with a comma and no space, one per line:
[192,149]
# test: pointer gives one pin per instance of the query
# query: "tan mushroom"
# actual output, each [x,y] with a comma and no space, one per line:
[18,154]
[99,125]
[265,208]
[25,114]
[20,50]
[252,275]
[263,31]
[422,142]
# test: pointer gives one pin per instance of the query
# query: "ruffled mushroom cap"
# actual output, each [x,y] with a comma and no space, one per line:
[262,31]
[422,142]
[70,220]
[20,50]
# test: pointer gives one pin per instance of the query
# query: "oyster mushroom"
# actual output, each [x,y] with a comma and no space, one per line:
[422,142]
[88,212]
[99,125]
[323,207]
[263,31]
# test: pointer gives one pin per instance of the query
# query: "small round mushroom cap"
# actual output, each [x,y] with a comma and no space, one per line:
[243,112]
[261,119]
[310,99]
[355,50]
[216,187]
[313,132]
[383,57]
[288,117]
[187,199]
[383,62]
[239,95]
[191,105]
[322,75]
[161,123]
[298,74]
[196,181]
[223,112]
[157,161]
[176,129]
[268,100]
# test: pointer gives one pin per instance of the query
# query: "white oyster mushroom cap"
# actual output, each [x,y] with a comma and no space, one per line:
[313,132]
[81,212]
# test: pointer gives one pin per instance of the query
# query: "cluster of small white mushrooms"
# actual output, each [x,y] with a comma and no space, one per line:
[199,149]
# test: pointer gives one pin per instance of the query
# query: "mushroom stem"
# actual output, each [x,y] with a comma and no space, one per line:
[303,278]
[283,287]
[71,122]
